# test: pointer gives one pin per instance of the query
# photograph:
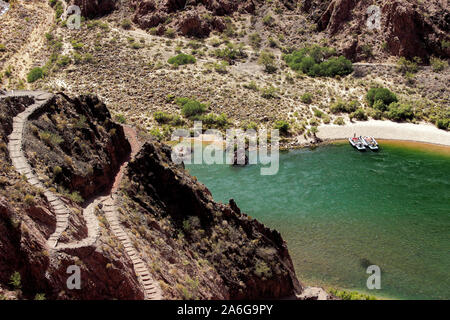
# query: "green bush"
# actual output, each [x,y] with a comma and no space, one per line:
[170,33]
[306,98]
[400,112]
[267,59]
[126,24]
[351,295]
[2,47]
[282,126]
[359,114]
[15,280]
[383,95]
[215,121]
[404,65]
[230,53]
[63,61]
[190,107]
[162,117]
[255,40]
[76,197]
[269,92]
[438,64]
[341,106]
[35,74]
[181,59]
[443,123]
[318,61]
[339,121]
[268,20]
[120,118]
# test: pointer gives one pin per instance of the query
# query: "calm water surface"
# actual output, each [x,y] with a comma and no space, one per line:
[341,210]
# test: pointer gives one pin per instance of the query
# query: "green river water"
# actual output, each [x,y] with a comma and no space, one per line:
[341,210]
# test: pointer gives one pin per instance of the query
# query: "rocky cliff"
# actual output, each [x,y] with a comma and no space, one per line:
[409,28]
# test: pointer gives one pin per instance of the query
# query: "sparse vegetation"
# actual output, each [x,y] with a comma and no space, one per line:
[190,107]
[181,59]
[351,295]
[35,74]
[318,61]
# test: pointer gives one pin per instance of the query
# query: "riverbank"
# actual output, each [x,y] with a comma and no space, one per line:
[386,130]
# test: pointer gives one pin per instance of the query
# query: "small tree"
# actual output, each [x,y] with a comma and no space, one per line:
[267,59]
[35,74]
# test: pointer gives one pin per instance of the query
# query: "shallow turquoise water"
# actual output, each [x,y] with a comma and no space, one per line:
[340,210]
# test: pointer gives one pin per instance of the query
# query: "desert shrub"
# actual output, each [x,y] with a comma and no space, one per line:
[438,64]
[126,24]
[120,118]
[215,121]
[404,65]
[269,92]
[359,114]
[181,59]
[2,47]
[251,85]
[318,113]
[76,197]
[338,107]
[262,270]
[15,280]
[190,107]
[380,98]
[399,112]
[230,53]
[50,139]
[267,59]
[255,40]
[268,20]
[221,67]
[443,123]
[351,295]
[35,74]
[170,33]
[63,61]
[77,45]
[282,126]
[318,61]
[29,200]
[339,121]
[306,98]
[39,296]
[162,117]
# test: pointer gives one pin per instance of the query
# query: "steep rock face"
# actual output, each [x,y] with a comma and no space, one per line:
[94,8]
[194,18]
[26,222]
[73,142]
[409,28]
[250,260]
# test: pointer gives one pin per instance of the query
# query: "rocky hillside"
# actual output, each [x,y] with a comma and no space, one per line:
[192,246]
[409,28]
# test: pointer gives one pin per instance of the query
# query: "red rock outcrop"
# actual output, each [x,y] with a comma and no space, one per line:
[408,28]
[94,8]
[198,18]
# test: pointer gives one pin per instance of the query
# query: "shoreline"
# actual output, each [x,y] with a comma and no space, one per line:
[386,130]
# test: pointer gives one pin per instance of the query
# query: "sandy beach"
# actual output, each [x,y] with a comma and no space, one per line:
[386,130]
